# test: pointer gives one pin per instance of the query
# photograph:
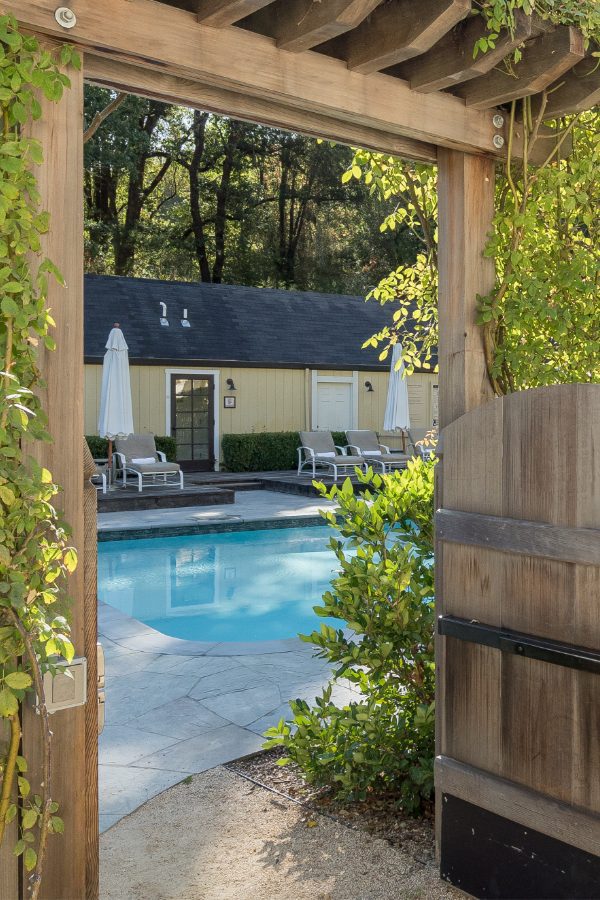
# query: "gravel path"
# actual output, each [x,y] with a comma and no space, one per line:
[220,837]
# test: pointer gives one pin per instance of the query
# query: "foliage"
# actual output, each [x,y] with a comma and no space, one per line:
[541,323]
[383,601]
[500,15]
[265,451]
[35,556]
[165,443]
[413,287]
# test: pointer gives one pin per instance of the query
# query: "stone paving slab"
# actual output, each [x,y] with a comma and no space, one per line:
[177,707]
[205,752]
[249,506]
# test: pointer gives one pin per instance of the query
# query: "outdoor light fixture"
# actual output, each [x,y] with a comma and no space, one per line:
[369,387]
[163,318]
[185,321]
[230,385]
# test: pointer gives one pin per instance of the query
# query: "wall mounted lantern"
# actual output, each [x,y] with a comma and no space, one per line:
[369,387]
[230,385]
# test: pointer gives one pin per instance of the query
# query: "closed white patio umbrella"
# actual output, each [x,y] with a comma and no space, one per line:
[116,416]
[397,416]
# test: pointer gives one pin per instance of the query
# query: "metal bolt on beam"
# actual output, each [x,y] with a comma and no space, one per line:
[498,141]
[498,120]
[65,17]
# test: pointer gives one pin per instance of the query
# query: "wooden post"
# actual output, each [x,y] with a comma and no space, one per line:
[60,181]
[465,212]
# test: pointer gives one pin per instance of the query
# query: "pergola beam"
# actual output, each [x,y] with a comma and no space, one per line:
[169,89]
[451,60]
[577,91]
[544,60]
[298,25]
[399,31]
[171,42]
[218,13]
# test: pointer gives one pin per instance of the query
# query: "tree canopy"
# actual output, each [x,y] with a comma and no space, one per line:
[174,193]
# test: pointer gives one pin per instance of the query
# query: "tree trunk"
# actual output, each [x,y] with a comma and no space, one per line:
[222,197]
[199,130]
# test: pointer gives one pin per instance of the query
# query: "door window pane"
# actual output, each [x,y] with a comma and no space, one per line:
[192,418]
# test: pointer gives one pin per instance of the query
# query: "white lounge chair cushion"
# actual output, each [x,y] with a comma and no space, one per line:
[154,468]
[328,455]
[371,452]
[347,460]
[144,460]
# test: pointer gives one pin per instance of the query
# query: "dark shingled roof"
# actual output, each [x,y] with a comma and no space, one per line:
[231,325]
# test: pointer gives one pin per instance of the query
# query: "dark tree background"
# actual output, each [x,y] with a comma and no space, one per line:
[178,194]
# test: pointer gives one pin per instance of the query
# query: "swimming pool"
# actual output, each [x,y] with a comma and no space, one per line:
[241,586]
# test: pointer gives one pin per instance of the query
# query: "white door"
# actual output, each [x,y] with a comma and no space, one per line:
[334,406]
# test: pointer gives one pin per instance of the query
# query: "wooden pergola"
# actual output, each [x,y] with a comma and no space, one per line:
[396,76]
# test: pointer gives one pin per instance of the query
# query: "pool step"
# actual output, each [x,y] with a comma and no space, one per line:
[128,499]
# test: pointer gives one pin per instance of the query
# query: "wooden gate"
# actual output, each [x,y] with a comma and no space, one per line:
[518,557]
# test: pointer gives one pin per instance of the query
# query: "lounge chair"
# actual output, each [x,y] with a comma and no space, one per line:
[100,473]
[318,449]
[138,456]
[366,444]
[426,447]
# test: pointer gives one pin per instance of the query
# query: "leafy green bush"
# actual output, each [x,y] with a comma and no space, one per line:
[383,598]
[266,451]
[99,446]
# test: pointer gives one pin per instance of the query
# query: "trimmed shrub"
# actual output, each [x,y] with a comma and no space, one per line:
[383,602]
[99,446]
[265,451]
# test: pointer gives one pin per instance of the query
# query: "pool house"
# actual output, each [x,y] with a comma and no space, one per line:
[251,360]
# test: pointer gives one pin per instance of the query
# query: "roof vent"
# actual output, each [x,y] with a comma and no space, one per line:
[185,321]
[163,319]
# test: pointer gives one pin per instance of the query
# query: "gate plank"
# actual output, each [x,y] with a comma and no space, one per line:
[576,545]
[528,808]
[522,487]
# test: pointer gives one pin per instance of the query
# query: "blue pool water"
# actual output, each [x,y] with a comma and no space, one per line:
[241,586]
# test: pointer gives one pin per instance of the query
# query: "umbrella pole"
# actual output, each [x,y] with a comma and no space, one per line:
[403,441]
[110,454]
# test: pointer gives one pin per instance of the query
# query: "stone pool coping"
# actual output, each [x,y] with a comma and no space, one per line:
[131,532]
[135,635]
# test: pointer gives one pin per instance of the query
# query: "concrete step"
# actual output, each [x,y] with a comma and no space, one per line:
[126,499]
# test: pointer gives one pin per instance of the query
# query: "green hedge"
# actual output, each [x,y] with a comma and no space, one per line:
[265,451]
[99,446]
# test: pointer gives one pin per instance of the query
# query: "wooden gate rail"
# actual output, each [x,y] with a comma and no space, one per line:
[525,645]
[556,819]
[575,545]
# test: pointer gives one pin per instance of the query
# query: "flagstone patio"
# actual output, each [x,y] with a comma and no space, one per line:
[176,708]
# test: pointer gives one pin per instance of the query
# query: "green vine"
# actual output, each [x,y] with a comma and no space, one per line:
[499,16]
[35,556]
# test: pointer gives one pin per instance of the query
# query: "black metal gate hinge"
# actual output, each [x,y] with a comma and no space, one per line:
[526,645]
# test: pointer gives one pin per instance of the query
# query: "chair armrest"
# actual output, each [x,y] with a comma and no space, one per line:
[355,449]
[121,458]
[341,449]
[307,451]
[385,448]
[162,457]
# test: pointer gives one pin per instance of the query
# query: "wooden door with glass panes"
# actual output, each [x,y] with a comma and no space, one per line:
[193,421]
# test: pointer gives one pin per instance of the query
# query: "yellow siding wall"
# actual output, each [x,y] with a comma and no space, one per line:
[266,399]
[371,404]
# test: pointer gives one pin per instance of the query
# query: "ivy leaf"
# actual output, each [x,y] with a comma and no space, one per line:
[30,858]
[30,817]
[9,705]
[24,786]
[19,681]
